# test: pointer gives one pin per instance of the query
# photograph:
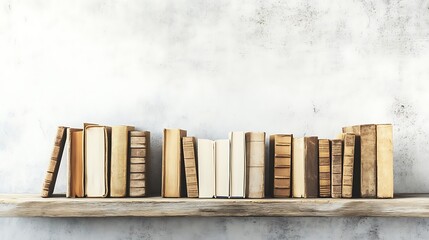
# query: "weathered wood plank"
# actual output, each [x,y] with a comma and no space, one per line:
[406,205]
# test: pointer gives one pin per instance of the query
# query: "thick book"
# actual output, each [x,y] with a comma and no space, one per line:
[190,167]
[305,170]
[336,167]
[138,150]
[238,164]
[96,158]
[206,168]
[118,162]
[222,171]
[281,159]
[75,164]
[384,161]
[348,164]
[368,141]
[172,174]
[54,162]
[356,190]
[324,168]
[255,156]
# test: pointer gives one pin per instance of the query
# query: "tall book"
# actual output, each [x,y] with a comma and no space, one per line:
[206,168]
[97,157]
[222,172]
[172,175]
[336,167]
[190,167]
[119,161]
[255,156]
[75,164]
[54,163]
[324,168]
[305,170]
[238,164]
[356,190]
[348,163]
[368,138]
[281,158]
[138,149]
[384,161]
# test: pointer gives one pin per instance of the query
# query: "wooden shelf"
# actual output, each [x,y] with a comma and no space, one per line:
[403,205]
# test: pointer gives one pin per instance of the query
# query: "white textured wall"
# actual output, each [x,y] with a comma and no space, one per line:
[210,67]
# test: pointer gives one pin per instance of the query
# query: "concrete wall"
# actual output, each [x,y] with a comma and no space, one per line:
[210,67]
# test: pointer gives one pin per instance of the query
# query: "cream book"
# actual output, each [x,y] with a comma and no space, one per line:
[305,167]
[206,168]
[119,163]
[255,156]
[238,164]
[96,152]
[222,168]
[75,164]
[384,161]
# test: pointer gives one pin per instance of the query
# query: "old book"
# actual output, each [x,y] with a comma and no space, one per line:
[206,168]
[356,190]
[54,162]
[96,159]
[348,163]
[118,162]
[384,161]
[138,149]
[305,170]
[368,141]
[281,158]
[324,168]
[75,164]
[238,164]
[336,167]
[255,157]
[190,167]
[172,174]
[222,171]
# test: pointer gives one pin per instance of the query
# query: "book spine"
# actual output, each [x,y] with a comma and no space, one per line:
[385,161]
[282,165]
[336,167]
[348,157]
[255,150]
[54,163]
[311,167]
[368,136]
[190,167]
[138,150]
[324,168]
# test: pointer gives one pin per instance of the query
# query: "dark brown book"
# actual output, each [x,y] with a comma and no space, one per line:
[348,163]
[190,166]
[336,167]
[54,163]
[281,154]
[305,170]
[139,142]
[324,168]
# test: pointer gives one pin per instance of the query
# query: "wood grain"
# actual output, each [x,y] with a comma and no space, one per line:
[404,205]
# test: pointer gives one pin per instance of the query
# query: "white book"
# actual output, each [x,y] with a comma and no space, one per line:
[222,168]
[206,168]
[298,169]
[238,164]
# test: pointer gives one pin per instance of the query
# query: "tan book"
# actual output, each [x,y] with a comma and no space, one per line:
[206,168]
[384,161]
[138,148]
[336,167]
[281,157]
[75,164]
[172,163]
[190,167]
[222,171]
[356,190]
[118,162]
[305,170]
[368,138]
[237,164]
[348,163]
[324,168]
[96,159]
[54,162]
[255,157]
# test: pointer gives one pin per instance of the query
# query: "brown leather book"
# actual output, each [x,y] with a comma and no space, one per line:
[336,167]
[356,191]
[348,159]
[305,167]
[172,174]
[75,169]
[139,146]
[324,168]
[368,138]
[384,161]
[190,166]
[255,157]
[281,157]
[54,163]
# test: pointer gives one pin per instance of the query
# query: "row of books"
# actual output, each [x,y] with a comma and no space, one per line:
[101,161]
[358,163]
